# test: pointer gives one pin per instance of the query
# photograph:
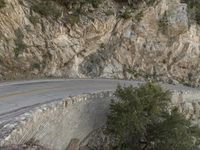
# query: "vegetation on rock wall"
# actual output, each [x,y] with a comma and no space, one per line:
[163,22]
[126,14]
[54,9]
[34,19]
[95,3]
[2,3]
[135,3]
[20,45]
[140,119]
[194,9]
[47,8]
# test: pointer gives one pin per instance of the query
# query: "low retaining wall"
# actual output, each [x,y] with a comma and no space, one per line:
[56,123]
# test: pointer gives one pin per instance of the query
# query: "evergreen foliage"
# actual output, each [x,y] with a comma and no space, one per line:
[140,120]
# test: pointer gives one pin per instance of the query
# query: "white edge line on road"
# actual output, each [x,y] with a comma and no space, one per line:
[8,83]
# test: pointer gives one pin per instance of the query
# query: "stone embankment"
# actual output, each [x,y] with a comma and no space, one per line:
[55,124]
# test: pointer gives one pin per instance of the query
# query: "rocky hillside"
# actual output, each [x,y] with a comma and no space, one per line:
[111,39]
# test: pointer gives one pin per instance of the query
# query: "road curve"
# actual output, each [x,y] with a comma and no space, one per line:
[18,97]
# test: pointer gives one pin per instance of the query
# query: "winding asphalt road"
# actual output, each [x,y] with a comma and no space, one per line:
[18,97]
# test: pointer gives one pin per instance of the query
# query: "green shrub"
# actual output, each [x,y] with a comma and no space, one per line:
[150,2]
[102,45]
[36,65]
[73,19]
[163,23]
[140,119]
[20,45]
[139,16]
[2,4]
[95,3]
[47,9]
[132,71]
[34,19]
[126,14]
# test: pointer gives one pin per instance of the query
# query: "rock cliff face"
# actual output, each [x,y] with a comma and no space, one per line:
[158,42]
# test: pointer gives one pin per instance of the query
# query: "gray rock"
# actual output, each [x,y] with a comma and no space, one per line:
[177,17]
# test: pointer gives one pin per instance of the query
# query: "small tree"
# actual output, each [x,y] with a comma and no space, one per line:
[140,120]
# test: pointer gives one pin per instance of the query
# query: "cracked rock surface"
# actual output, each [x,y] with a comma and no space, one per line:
[163,44]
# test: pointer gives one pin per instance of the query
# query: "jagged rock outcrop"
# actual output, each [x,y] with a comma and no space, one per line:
[158,42]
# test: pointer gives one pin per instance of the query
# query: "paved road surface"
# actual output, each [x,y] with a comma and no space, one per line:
[18,97]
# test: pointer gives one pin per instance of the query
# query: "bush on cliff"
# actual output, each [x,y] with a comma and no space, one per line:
[135,3]
[193,8]
[140,119]
[2,3]
[47,9]
[95,3]
[54,8]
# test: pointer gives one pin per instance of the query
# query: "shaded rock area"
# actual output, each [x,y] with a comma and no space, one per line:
[98,140]
[75,145]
